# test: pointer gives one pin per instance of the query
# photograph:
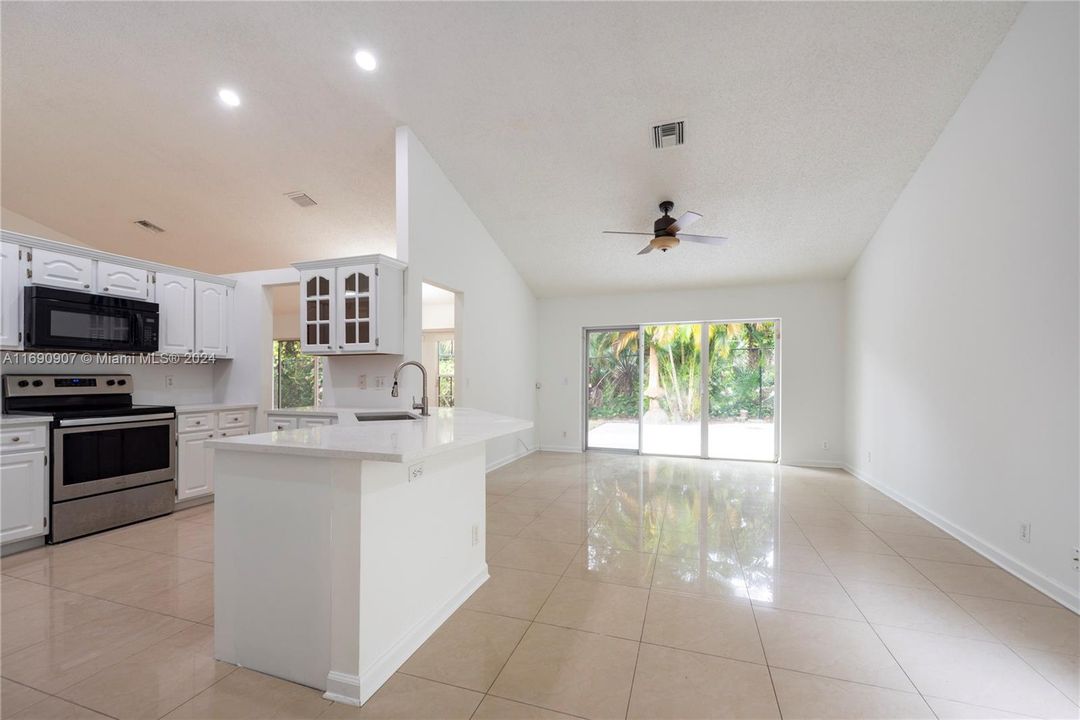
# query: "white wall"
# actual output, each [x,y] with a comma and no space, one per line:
[446,244]
[811,367]
[962,319]
[14,222]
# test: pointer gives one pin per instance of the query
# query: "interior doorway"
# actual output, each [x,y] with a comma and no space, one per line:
[438,351]
[703,389]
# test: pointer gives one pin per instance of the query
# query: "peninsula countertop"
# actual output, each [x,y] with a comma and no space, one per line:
[395,441]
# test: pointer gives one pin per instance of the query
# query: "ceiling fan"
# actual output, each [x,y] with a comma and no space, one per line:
[668,231]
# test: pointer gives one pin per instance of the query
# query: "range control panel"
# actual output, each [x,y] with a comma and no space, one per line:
[29,385]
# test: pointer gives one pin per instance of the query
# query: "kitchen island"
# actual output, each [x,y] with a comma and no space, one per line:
[340,549]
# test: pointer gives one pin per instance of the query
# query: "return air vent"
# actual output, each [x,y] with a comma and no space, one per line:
[301,199]
[147,225]
[668,135]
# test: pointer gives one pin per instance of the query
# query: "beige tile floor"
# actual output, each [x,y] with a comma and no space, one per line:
[621,587]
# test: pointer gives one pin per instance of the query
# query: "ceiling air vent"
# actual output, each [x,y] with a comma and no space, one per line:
[301,199]
[668,135]
[147,225]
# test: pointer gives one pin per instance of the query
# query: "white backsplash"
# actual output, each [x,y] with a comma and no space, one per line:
[342,383]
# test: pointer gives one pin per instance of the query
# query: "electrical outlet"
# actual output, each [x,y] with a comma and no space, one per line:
[416,471]
[1076,559]
[362,381]
[475,535]
[824,444]
[1025,531]
[564,433]
[868,456]
[169,382]
[380,381]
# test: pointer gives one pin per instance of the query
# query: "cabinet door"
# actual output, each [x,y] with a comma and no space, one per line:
[22,495]
[176,305]
[10,296]
[212,318]
[356,298]
[193,476]
[71,272]
[316,310]
[113,279]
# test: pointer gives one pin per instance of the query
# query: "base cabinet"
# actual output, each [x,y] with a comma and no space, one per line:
[22,491]
[194,462]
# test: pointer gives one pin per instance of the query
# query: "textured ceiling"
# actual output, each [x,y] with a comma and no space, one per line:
[803,123]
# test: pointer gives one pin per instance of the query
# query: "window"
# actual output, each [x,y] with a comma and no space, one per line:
[297,377]
[446,373]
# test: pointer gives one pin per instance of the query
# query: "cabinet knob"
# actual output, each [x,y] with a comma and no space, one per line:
[198,422]
[15,439]
[86,285]
[104,289]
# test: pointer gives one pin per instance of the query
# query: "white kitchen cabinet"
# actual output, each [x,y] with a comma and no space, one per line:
[213,311]
[176,307]
[316,303]
[56,269]
[23,489]
[352,305]
[193,477]
[122,281]
[10,297]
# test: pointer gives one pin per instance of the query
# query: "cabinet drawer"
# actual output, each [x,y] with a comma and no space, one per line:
[233,419]
[280,422]
[233,432]
[314,421]
[30,437]
[195,421]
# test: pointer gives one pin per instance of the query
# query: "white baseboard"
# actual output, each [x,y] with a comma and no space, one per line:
[355,690]
[813,463]
[1034,578]
[496,464]
[560,448]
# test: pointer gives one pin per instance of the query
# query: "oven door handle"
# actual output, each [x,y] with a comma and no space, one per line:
[109,420]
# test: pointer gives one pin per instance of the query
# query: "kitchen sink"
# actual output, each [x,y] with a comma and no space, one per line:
[369,417]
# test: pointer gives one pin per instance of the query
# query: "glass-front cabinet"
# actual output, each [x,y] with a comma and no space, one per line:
[357,293]
[316,323]
[352,305]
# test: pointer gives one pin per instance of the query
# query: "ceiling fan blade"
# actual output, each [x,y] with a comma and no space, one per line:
[706,239]
[616,232]
[645,250]
[687,219]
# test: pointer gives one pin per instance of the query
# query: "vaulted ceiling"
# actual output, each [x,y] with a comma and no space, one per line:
[803,123]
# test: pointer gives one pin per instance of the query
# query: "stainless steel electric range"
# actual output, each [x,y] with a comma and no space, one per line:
[112,462]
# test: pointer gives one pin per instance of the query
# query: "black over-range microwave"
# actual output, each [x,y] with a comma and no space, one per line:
[69,320]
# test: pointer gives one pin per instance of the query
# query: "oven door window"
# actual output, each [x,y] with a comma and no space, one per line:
[100,454]
[86,324]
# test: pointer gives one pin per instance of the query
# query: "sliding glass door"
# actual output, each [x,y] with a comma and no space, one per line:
[689,389]
[671,386]
[742,390]
[612,388]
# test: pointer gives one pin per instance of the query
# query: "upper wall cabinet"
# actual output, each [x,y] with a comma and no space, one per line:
[71,272]
[195,309]
[213,305]
[176,306]
[113,279]
[10,297]
[352,305]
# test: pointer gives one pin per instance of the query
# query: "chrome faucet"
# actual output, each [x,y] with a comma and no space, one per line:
[422,405]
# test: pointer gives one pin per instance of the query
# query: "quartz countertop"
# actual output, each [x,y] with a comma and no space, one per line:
[382,440]
[13,420]
[214,407]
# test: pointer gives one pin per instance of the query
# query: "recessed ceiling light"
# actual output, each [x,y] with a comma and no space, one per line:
[365,60]
[229,97]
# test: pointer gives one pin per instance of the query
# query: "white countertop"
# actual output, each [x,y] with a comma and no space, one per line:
[214,407]
[320,411]
[385,440]
[13,420]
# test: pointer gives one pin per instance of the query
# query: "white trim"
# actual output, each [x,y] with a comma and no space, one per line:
[355,690]
[88,252]
[509,459]
[563,449]
[376,259]
[1034,578]
[814,463]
